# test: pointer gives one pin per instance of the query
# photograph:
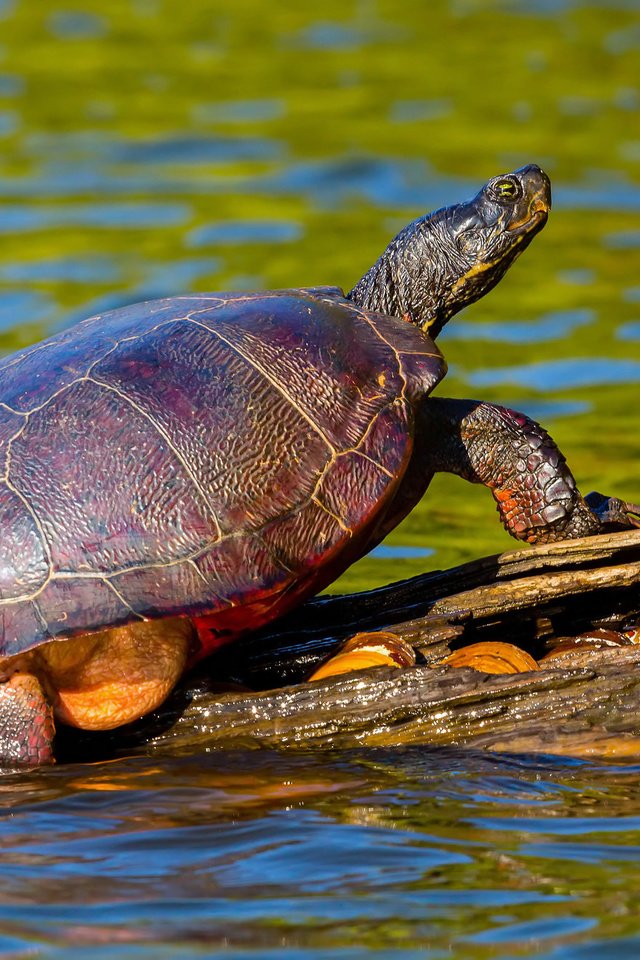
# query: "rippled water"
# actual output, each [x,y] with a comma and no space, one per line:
[149,148]
[413,853]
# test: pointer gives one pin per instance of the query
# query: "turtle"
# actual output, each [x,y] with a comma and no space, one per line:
[182,471]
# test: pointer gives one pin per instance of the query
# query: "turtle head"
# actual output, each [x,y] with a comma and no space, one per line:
[445,260]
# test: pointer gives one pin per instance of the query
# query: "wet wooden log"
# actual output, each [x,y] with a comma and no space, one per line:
[581,711]
[586,703]
[524,596]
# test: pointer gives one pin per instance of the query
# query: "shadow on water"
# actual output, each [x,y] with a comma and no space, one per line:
[144,153]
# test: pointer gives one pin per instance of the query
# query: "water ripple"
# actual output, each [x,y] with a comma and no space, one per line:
[629,331]
[552,326]
[121,216]
[244,231]
[561,374]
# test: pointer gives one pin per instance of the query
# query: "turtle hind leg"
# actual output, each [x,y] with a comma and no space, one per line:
[535,491]
[26,722]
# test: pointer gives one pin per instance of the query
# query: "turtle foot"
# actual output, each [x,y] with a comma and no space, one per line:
[26,722]
[613,513]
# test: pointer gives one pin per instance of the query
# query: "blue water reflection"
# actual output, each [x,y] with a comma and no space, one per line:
[240,111]
[10,86]
[561,374]
[89,269]
[623,240]
[244,231]
[150,149]
[133,216]
[333,36]
[15,304]
[265,852]
[395,552]
[552,326]
[9,123]
[76,24]
[547,410]
[629,331]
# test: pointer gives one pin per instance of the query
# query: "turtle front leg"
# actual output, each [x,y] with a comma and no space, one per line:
[26,722]
[537,496]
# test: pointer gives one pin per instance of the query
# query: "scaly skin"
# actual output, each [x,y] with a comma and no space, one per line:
[537,496]
[26,721]
[305,406]
[446,260]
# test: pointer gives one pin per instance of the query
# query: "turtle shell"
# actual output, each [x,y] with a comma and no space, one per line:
[217,454]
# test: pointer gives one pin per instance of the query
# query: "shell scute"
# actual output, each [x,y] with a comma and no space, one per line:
[241,566]
[354,488]
[198,454]
[302,348]
[422,363]
[385,441]
[25,566]
[247,448]
[22,627]
[108,489]
[153,590]
[78,605]
[308,531]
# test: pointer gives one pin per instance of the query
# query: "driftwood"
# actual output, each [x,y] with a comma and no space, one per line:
[585,704]
[578,711]
[525,596]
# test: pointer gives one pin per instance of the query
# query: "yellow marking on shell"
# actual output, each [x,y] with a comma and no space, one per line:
[278,561]
[333,515]
[40,615]
[125,603]
[394,350]
[267,376]
[399,353]
[382,379]
[198,571]
[9,409]
[365,456]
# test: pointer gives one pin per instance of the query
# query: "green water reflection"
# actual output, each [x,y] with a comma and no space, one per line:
[145,153]
[428,853]
[150,148]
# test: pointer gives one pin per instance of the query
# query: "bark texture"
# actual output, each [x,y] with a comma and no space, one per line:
[586,703]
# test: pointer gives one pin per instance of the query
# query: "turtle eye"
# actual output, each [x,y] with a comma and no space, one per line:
[506,188]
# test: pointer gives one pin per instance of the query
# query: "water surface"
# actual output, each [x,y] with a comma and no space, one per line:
[149,149]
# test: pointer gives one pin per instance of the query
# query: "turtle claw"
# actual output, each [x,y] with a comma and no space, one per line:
[614,513]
